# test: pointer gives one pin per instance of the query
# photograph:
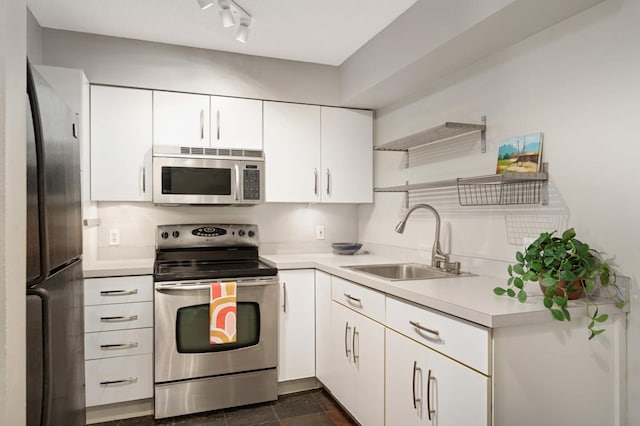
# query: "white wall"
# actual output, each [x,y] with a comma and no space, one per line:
[13,51]
[579,83]
[110,60]
[126,62]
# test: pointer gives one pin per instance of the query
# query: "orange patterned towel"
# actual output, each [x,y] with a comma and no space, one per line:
[222,313]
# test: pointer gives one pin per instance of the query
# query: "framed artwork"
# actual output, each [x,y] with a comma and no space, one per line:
[520,154]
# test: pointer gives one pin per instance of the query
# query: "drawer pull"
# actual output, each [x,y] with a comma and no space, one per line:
[111,346]
[430,378]
[353,299]
[119,382]
[416,369]
[120,318]
[425,329]
[119,292]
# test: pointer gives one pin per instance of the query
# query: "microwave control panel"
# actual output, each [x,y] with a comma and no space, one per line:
[251,187]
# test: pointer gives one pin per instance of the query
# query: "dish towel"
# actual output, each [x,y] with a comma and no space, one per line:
[222,313]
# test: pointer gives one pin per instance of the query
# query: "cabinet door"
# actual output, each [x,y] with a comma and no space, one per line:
[368,365]
[297,316]
[340,377]
[458,395]
[347,155]
[121,140]
[406,367]
[323,326]
[292,152]
[236,123]
[180,119]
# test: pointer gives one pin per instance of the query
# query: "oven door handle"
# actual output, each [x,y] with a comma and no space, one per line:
[194,287]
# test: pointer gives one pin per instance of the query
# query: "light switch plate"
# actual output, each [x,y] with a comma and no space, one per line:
[319,232]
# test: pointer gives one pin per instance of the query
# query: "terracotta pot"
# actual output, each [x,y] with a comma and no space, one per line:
[575,293]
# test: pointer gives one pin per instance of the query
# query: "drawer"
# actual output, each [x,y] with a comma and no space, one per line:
[125,378]
[100,291]
[361,299]
[120,316]
[463,341]
[109,344]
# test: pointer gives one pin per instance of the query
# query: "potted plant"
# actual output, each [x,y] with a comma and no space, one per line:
[565,267]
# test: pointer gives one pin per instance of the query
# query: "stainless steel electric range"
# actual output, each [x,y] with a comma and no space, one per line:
[192,375]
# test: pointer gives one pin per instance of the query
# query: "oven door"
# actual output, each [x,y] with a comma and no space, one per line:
[182,349]
[181,180]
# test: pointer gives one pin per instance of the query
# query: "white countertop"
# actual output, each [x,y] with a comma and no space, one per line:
[469,298]
[117,268]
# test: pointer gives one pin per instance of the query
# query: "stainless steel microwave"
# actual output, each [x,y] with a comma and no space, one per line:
[196,175]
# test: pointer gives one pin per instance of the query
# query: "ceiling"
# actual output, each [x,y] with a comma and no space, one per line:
[324,32]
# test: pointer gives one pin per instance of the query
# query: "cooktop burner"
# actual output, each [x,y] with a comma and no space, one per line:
[208,251]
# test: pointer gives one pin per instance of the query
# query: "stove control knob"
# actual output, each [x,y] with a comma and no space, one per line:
[165,235]
[241,232]
[251,233]
[175,234]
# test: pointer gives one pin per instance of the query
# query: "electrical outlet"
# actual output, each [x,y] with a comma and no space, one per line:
[319,232]
[114,237]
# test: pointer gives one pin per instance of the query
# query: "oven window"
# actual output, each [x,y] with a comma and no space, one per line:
[196,180]
[192,328]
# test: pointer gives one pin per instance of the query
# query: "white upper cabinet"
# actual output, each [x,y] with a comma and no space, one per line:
[292,152]
[180,119]
[346,155]
[318,154]
[236,123]
[121,142]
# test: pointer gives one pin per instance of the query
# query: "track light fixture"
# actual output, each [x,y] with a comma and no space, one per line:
[230,13]
[226,15]
[205,4]
[243,30]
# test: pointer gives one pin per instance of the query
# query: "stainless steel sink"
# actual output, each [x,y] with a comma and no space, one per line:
[404,271]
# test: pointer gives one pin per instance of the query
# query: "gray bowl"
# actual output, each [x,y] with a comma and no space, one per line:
[345,248]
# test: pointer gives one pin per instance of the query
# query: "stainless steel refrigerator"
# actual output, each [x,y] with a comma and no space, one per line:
[55,316]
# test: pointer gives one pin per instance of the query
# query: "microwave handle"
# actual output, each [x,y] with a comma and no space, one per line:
[237,168]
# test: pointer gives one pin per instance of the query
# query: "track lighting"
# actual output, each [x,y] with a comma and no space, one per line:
[243,30]
[204,4]
[226,16]
[230,13]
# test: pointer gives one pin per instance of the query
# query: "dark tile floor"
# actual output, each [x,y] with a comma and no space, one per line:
[311,408]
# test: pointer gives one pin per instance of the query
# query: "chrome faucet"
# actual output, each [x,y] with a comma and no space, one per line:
[439,259]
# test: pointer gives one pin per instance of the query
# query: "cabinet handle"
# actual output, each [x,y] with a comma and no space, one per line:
[141,180]
[425,329]
[74,130]
[328,181]
[353,345]
[416,370]
[119,382]
[119,292]
[119,346]
[237,168]
[350,299]
[347,351]
[120,318]
[315,181]
[430,378]
[284,297]
[201,124]
[218,125]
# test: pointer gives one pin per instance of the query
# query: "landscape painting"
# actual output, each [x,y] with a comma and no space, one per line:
[520,154]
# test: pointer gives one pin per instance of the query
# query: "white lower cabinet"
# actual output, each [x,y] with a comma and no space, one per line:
[424,387]
[357,375]
[118,339]
[323,325]
[296,355]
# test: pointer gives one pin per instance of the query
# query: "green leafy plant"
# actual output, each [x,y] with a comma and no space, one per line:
[563,266]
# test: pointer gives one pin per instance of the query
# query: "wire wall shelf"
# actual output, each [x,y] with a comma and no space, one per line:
[490,190]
